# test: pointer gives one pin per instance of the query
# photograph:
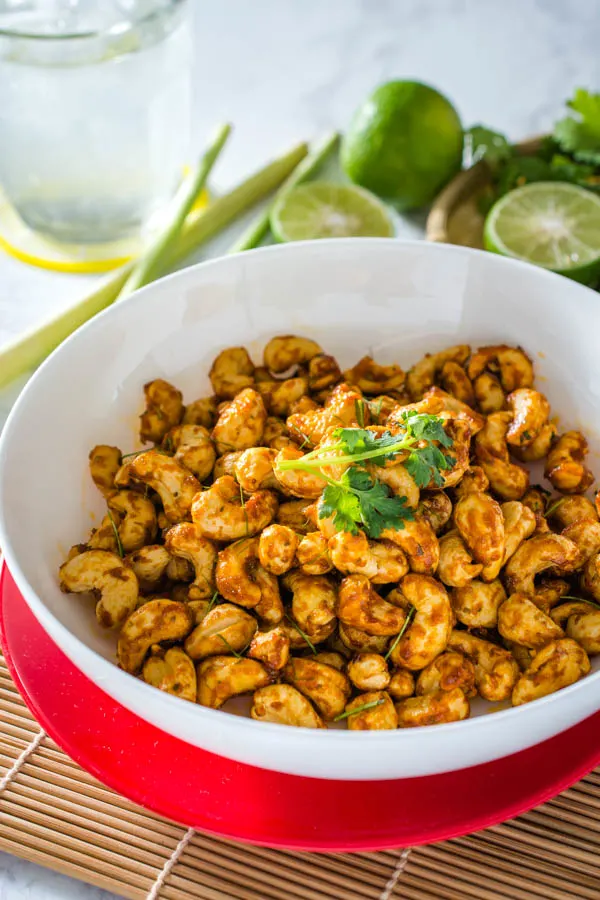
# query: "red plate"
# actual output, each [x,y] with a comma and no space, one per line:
[226,798]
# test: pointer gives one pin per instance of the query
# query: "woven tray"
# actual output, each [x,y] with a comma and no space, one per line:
[55,814]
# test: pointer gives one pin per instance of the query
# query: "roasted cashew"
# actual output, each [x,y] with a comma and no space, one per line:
[225,629]
[254,469]
[193,448]
[241,579]
[433,709]
[474,480]
[565,467]
[430,629]
[584,627]
[222,513]
[402,684]
[511,364]
[399,481]
[382,562]
[156,621]
[530,411]
[297,482]
[455,381]
[294,514]
[480,523]
[436,508]
[590,577]
[540,552]
[456,567]
[380,717]
[106,576]
[164,409]
[373,378]
[362,607]
[561,614]
[135,519]
[488,393]
[287,350]
[314,600]
[149,565]
[326,687]
[359,641]
[276,434]
[520,620]
[340,411]
[284,705]
[539,447]
[380,408]
[549,592]
[476,604]
[201,412]
[180,569]
[523,655]
[585,534]
[312,554]
[535,499]
[280,396]
[225,465]
[231,372]
[446,672]
[172,672]
[331,658]
[571,509]
[555,666]
[323,372]
[506,478]
[369,672]
[272,648]
[424,373]
[184,540]
[419,542]
[519,524]
[175,485]
[277,548]
[223,677]
[302,405]
[101,538]
[105,462]
[495,669]
[241,424]
[460,432]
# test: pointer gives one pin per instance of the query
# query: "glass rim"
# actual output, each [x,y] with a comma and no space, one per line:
[117,29]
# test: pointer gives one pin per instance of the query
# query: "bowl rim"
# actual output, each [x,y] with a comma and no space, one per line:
[45,616]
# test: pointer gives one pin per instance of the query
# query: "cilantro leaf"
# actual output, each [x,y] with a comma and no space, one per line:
[357,441]
[426,427]
[338,502]
[360,500]
[424,465]
[579,134]
[483,143]
[381,510]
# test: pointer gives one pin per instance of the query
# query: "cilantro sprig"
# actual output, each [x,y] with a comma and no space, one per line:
[357,498]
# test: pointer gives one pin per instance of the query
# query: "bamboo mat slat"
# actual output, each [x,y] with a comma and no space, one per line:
[55,814]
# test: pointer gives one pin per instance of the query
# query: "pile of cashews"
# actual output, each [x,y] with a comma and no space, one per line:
[222,578]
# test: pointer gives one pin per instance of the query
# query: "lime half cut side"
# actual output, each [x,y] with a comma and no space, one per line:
[551,224]
[321,209]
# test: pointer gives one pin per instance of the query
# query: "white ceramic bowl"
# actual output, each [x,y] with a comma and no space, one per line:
[391,298]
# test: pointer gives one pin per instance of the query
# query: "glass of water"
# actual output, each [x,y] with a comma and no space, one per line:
[95,113]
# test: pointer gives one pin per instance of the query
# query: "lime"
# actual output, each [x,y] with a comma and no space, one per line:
[551,224]
[321,209]
[404,143]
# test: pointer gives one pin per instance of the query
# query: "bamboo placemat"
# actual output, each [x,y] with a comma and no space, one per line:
[55,814]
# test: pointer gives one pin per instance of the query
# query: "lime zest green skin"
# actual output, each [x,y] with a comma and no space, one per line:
[404,143]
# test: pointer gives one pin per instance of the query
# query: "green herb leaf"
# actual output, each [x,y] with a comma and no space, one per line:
[579,134]
[357,709]
[425,465]
[243,504]
[116,531]
[483,143]
[213,600]
[554,506]
[359,408]
[301,633]
[344,506]
[407,621]
[238,654]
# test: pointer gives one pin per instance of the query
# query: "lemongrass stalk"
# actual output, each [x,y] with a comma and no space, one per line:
[151,262]
[257,230]
[28,350]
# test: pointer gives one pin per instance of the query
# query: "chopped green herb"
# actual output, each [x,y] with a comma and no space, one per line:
[554,506]
[301,633]
[407,621]
[375,410]
[133,453]
[116,531]
[359,408]
[213,600]
[243,503]
[238,655]
[358,709]
[579,599]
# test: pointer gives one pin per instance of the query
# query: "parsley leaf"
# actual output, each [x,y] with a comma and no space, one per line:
[579,134]
[483,143]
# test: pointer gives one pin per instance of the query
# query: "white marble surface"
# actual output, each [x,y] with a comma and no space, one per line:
[285,70]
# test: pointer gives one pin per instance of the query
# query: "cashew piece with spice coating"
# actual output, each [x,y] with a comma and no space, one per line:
[156,621]
[254,469]
[225,629]
[488,393]
[221,513]
[379,715]
[419,542]
[530,411]
[272,648]
[540,552]
[456,382]
[241,579]
[314,600]
[312,555]
[223,677]
[511,364]
[506,478]
[277,548]
[175,485]
[520,621]
[241,424]
[425,372]
[172,672]
[362,607]
[429,632]
[565,467]
[382,562]
[135,519]
[164,409]
[184,541]
[456,567]
[284,705]
[287,350]
[369,672]
[448,671]
[495,669]
[480,523]
[106,576]
[373,378]
[519,524]
[433,709]
[555,666]
[105,462]
[231,372]
[193,448]
[476,604]
[328,688]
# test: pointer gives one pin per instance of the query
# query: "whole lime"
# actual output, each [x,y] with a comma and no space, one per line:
[404,143]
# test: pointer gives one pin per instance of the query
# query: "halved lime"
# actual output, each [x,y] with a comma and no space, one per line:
[551,224]
[321,209]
